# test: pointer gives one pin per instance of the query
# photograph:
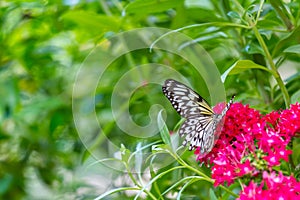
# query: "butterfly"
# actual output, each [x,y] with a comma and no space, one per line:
[201,124]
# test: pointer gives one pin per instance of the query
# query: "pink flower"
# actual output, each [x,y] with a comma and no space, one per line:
[273,186]
[251,143]
[289,120]
[245,168]
[251,192]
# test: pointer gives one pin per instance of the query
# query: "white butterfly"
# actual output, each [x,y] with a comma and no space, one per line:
[201,122]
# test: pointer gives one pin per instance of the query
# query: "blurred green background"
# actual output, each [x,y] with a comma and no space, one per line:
[43,43]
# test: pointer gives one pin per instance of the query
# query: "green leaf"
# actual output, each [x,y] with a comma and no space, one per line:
[92,22]
[158,176]
[290,40]
[160,148]
[234,15]
[268,24]
[282,12]
[164,131]
[58,119]
[178,125]
[119,189]
[125,153]
[266,33]
[183,188]
[296,153]
[5,181]
[188,179]
[241,66]
[151,6]
[85,156]
[193,14]
[295,97]
[254,48]
[212,195]
[39,106]
[293,49]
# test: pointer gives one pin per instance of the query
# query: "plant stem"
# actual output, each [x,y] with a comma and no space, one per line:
[207,178]
[131,176]
[282,13]
[272,67]
[252,23]
[137,184]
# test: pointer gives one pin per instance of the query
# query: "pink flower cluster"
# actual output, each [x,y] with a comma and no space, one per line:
[251,145]
[277,187]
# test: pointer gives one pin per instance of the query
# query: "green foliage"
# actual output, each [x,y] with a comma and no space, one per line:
[42,46]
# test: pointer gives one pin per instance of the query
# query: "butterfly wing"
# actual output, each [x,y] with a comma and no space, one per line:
[197,128]
[202,125]
[186,101]
[198,132]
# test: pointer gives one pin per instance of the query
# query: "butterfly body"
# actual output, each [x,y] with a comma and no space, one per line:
[202,124]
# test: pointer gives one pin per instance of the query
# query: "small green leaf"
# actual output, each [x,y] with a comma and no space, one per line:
[164,131]
[125,153]
[295,97]
[267,33]
[178,125]
[91,21]
[112,191]
[151,6]
[194,12]
[293,49]
[212,195]
[234,15]
[296,153]
[159,148]
[241,66]
[254,48]
[58,119]
[5,182]
[86,155]
[290,40]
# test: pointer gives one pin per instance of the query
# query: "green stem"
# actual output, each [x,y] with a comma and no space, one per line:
[137,184]
[150,194]
[131,176]
[262,43]
[180,161]
[105,8]
[207,178]
[229,191]
[282,13]
[259,10]
[269,58]
[272,66]
[220,24]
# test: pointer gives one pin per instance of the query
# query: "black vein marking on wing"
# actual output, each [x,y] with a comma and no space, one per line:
[201,122]
[198,133]
[185,101]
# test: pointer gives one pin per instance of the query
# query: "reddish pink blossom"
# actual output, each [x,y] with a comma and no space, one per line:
[272,186]
[252,191]
[251,143]
[289,122]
